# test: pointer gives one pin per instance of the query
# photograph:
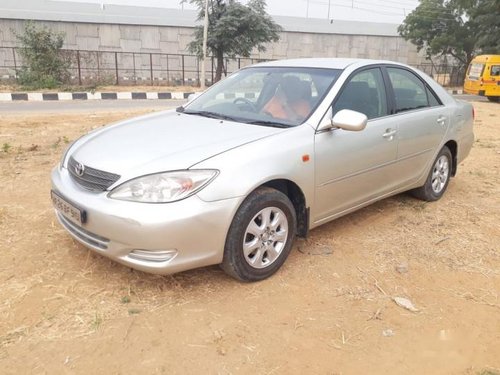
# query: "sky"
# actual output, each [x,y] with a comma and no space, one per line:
[390,11]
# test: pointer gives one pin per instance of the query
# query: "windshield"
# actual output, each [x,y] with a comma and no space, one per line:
[270,96]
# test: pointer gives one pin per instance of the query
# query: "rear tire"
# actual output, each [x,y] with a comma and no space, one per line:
[438,178]
[494,99]
[261,235]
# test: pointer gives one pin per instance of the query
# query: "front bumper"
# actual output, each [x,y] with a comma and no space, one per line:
[155,238]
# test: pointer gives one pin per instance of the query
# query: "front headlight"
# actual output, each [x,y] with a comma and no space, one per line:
[163,187]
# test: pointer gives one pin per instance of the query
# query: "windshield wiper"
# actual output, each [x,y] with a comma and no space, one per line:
[209,114]
[221,116]
[273,124]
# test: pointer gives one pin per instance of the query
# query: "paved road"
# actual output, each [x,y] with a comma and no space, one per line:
[471,98]
[86,106]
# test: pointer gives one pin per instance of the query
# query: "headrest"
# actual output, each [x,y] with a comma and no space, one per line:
[295,89]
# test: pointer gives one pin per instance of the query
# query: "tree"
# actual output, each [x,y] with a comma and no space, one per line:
[460,28]
[44,65]
[234,29]
[487,17]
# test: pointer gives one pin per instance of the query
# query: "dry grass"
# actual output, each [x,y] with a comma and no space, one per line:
[65,309]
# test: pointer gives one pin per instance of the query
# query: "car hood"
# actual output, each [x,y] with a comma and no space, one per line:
[162,142]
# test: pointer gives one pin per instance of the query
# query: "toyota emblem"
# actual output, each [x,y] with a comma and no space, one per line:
[79,169]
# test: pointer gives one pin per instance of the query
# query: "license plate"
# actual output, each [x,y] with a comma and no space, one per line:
[67,209]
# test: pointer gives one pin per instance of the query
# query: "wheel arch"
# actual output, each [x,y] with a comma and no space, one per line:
[453,147]
[297,197]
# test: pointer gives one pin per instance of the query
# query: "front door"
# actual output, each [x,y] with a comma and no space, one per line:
[353,168]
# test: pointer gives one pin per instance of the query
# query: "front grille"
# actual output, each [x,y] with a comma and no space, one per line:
[89,238]
[92,179]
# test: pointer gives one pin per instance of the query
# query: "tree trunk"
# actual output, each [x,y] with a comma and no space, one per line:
[470,57]
[220,65]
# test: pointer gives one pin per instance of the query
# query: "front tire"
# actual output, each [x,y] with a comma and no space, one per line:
[261,235]
[438,178]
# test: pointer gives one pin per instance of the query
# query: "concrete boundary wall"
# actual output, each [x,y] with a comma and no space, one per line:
[114,28]
[174,40]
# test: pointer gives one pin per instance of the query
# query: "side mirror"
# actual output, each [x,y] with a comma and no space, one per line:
[349,120]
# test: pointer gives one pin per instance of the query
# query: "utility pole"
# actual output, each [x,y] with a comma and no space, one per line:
[307,9]
[329,6]
[205,37]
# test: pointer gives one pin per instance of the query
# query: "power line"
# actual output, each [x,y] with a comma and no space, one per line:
[355,7]
[353,4]
[428,13]
[377,5]
[352,7]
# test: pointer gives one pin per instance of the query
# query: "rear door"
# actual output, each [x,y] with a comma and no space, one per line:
[422,123]
[474,74]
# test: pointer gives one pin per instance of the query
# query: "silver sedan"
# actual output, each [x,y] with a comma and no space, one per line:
[263,156]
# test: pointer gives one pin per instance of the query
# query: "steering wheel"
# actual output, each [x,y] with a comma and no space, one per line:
[246,102]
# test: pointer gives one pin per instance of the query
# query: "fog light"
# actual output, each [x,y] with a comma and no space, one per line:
[153,256]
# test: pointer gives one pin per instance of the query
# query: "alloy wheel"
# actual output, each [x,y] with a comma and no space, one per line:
[265,237]
[440,174]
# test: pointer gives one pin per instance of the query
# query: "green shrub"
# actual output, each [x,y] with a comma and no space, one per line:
[44,63]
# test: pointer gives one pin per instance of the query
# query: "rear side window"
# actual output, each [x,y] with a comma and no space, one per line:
[409,91]
[495,70]
[433,100]
[475,71]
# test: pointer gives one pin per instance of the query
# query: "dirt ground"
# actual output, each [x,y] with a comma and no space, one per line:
[329,310]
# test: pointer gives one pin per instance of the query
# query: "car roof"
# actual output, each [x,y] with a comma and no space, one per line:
[330,63]
[486,58]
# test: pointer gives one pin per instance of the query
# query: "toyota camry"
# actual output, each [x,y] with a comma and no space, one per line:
[265,155]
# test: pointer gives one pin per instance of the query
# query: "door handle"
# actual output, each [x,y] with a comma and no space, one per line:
[441,120]
[389,134]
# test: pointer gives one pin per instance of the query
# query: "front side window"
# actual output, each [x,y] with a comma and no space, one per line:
[495,70]
[273,96]
[365,93]
[409,91]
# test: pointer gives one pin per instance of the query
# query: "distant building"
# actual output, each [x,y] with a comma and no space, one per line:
[114,28]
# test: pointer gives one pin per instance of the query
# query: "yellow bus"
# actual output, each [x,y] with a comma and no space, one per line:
[483,77]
